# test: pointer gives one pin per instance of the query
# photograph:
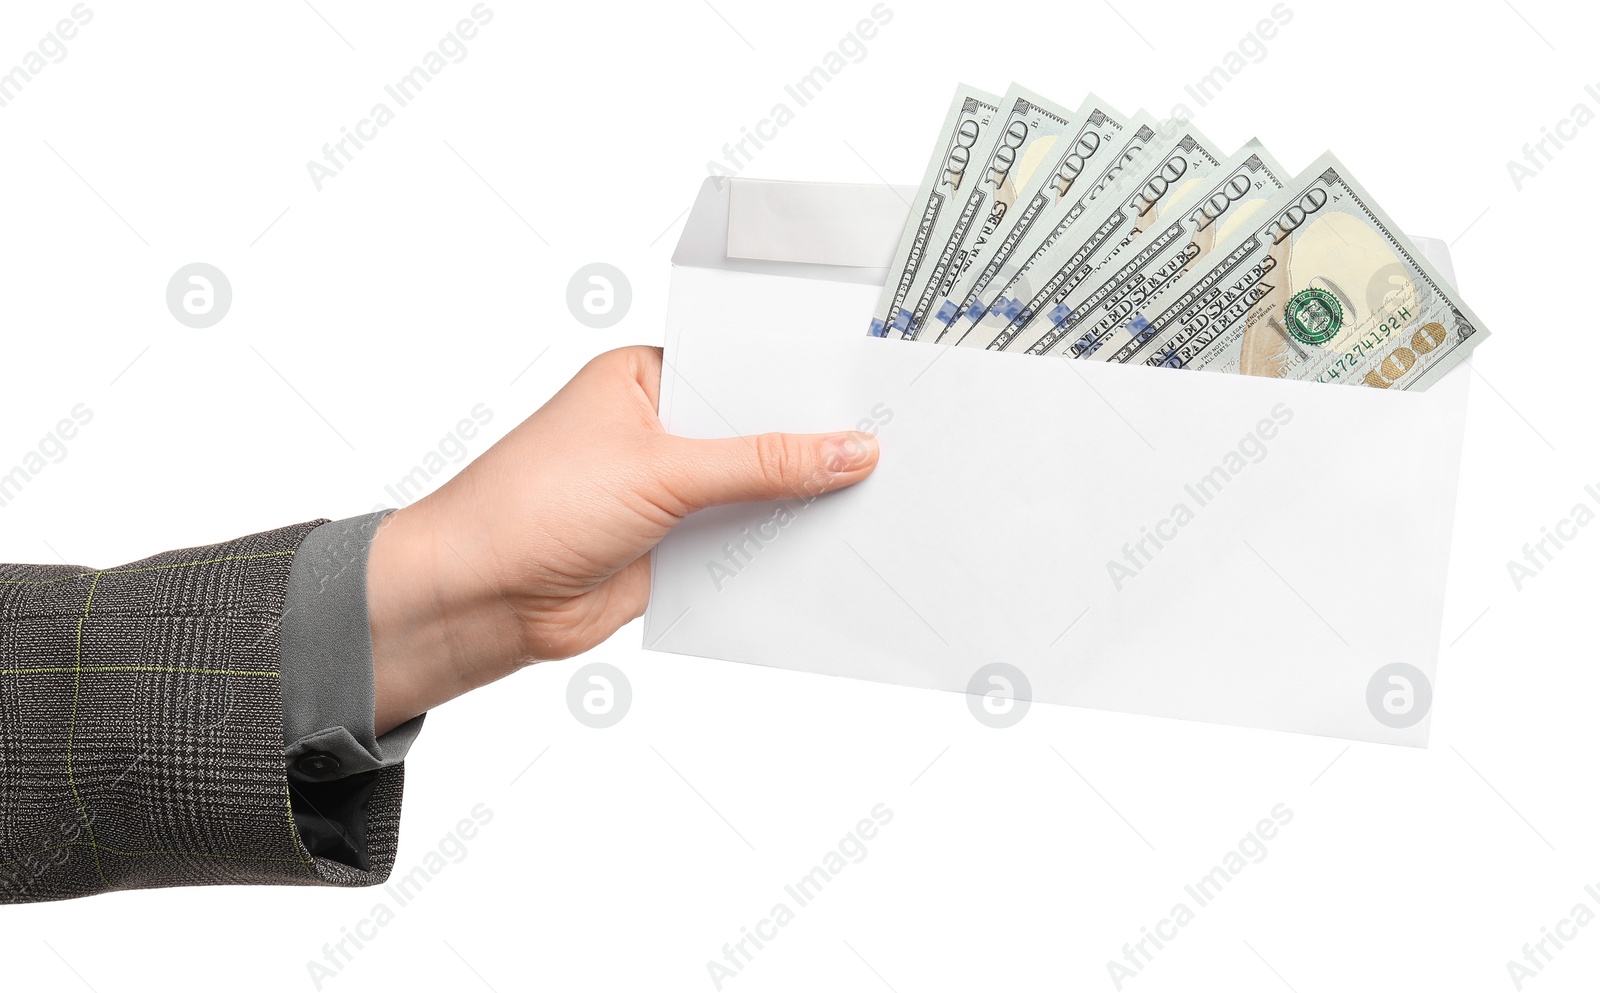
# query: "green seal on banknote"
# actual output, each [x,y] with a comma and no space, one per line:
[1313,316]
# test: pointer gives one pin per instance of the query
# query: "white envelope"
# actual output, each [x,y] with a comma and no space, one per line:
[1186,544]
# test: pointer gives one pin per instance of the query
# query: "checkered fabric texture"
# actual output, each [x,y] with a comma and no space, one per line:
[141,728]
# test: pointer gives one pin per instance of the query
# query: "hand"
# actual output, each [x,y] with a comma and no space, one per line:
[539,549]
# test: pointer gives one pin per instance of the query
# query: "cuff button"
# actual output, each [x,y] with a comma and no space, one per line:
[316,765]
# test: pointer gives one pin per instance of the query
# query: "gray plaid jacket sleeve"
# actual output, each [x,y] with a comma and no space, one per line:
[142,728]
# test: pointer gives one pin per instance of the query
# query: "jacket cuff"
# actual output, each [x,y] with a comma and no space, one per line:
[335,763]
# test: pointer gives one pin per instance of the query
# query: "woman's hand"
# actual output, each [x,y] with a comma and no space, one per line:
[539,549]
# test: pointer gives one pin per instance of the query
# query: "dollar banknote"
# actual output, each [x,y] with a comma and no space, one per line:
[1097,320]
[1323,287]
[1021,133]
[1057,282]
[951,172]
[1025,191]
[1129,149]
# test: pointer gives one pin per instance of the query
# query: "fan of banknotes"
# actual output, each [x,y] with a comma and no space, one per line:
[1101,236]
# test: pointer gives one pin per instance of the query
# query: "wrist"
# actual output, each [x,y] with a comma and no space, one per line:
[439,627]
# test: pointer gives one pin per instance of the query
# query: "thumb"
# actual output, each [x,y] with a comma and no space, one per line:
[768,466]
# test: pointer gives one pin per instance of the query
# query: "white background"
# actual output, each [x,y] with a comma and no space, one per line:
[369,317]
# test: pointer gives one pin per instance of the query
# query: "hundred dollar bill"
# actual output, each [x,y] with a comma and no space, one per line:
[1023,131]
[950,173]
[1026,135]
[1054,285]
[1097,128]
[1109,168]
[1097,320]
[1322,287]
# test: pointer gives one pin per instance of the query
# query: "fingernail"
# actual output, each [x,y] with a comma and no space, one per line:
[844,452]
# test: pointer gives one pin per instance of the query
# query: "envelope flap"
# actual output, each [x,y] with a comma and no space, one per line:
[837,231]
[842,224]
